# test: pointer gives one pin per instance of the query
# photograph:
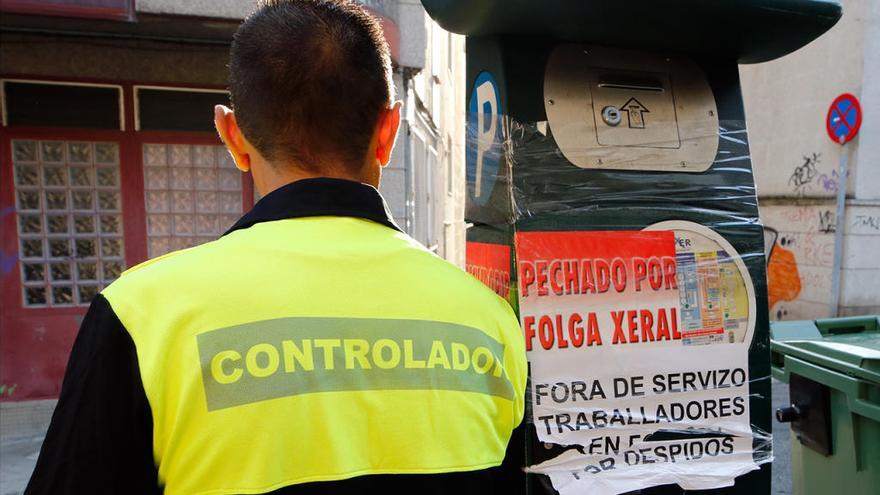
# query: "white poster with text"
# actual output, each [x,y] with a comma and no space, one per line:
[638,344]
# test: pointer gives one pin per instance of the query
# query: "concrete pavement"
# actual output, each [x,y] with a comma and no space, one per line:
[18,455]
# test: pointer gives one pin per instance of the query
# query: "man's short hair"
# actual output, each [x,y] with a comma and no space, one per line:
[308,80]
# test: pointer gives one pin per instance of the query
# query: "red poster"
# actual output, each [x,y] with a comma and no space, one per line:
[597,289]
[490,264]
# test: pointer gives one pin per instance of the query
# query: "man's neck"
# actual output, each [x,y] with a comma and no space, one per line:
[270,177]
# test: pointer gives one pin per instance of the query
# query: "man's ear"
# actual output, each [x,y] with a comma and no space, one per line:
[230,134]
[386,132]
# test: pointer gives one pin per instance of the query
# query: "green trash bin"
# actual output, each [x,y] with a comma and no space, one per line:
[833,371]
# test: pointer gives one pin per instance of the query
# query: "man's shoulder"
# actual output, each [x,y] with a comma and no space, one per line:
[461,288]
[160,271]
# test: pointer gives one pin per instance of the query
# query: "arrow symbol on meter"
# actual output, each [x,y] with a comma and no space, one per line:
[635,113]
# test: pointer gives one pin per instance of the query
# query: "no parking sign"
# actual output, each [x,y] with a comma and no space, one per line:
[842,122]
[844,118]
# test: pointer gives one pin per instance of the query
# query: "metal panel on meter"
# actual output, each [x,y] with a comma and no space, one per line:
[625,109]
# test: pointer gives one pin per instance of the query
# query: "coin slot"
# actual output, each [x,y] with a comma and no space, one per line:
[614,108]
[631,83]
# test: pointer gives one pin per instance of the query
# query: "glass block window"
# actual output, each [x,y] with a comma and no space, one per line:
[69,213]
[192,193]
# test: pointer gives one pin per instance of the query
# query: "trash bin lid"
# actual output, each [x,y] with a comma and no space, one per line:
[849,345]
[748,31]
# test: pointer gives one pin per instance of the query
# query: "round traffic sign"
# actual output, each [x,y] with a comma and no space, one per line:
[844,118]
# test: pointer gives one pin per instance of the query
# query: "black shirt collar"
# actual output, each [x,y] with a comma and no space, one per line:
[319,197]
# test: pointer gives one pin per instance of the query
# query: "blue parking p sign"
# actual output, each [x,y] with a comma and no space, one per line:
[483,138]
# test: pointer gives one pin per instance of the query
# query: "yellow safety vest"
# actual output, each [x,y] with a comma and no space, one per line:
[317,349]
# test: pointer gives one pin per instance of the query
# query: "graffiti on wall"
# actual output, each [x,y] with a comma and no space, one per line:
[783,279]
[803,175]
[7,390]
[799,266]
[827,222]
[867,222]
[805,178]
[828,183]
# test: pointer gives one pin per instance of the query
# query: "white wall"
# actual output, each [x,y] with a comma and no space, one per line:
[787,100]
[796,167]
[228,9]
[393,186]
[424,183]
[454,115]
[868,168]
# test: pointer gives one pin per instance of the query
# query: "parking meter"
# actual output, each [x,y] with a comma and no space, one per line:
[612,202]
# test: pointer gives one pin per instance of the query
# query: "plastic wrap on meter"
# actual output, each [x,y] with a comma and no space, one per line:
[641,296]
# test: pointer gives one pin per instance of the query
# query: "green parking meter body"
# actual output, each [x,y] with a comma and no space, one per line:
[614,133]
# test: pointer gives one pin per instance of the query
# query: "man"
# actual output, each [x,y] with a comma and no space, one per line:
[314,348]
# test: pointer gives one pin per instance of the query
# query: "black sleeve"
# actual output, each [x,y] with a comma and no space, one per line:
[510,476]
[100,439]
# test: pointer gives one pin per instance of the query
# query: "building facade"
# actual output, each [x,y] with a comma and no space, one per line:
[108,155]
[796,168]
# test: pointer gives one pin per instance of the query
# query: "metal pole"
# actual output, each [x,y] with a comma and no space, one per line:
[839,227]
[408,176]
